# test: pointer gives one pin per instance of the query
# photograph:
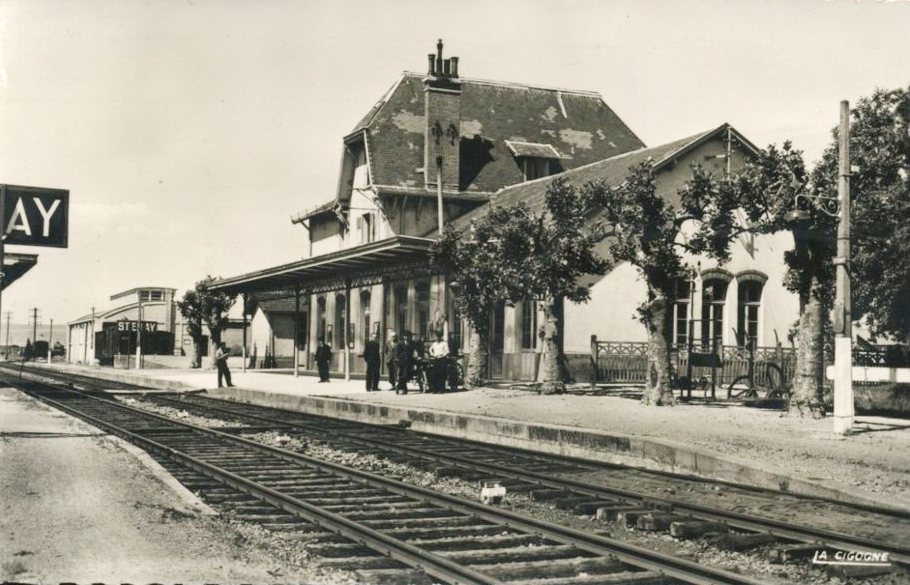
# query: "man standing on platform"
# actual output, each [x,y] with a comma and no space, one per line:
[221,358]
[371,355]
[404,360]
[323,359]
[391,361]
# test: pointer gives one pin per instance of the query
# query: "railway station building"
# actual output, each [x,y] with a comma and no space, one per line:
[475,144]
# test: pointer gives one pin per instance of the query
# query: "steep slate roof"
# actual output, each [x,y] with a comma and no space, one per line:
[612,170]
[579,125]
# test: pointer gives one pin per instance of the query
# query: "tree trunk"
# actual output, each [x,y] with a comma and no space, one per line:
[806,396]
[197,354]
[552,378]
[657,388]
[477,359]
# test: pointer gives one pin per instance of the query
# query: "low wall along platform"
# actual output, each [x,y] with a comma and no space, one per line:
[563,440]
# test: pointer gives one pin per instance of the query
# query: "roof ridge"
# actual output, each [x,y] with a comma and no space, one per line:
[684,142]
[584,92]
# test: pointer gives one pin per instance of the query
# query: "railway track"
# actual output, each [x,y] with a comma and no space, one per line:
[380,526]
[547,477]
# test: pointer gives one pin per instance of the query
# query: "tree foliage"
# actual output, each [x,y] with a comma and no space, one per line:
[515,254]
[201,306]
[880,193]
[656,233]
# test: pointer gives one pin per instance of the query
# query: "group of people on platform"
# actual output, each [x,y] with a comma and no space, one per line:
[403,356]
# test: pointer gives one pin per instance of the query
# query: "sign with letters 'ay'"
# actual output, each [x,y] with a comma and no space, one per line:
[34,216]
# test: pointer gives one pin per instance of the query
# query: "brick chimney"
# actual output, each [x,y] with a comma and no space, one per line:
[443,114]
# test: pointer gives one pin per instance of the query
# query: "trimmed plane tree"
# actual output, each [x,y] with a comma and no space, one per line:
[769,187]
[655,236]
[880,188]
[203,306]
[512,253]
[880,267]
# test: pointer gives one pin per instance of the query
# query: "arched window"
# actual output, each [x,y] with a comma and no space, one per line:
[747,314]
[340,306]
[713,296]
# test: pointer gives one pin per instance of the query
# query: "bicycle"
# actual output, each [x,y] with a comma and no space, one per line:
[766,380]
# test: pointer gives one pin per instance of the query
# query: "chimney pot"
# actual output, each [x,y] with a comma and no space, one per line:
[454,66]
[446,67]
[439,57]
[431,71]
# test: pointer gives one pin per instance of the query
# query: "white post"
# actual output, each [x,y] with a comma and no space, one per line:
[843,342]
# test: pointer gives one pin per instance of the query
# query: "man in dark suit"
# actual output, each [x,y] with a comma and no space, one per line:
[323,359]
[404,358]
[391,361]
[371,356]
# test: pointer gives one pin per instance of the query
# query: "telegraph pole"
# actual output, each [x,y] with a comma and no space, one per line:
[3,256]
[34,332]
[50,341]
[843,342]
[8,315]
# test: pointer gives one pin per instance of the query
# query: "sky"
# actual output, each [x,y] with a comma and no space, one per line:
[190,132]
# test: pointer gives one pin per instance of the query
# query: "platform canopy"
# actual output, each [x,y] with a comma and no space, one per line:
[361,264]
[16,265]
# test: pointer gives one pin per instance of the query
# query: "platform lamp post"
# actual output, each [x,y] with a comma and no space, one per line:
[839,207]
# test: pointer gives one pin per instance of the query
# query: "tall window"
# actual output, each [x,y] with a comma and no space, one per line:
[339,321]
[400,308]
[747,313]
[365,315]
[422,305]
[535,168]
[714,293]
[497,328]
[366,225]
[455,339]
[528,325]
[679,322]
[322,316]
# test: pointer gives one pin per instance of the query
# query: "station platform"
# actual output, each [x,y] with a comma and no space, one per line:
[726,441]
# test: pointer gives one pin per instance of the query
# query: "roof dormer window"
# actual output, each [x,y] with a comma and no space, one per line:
[536,160]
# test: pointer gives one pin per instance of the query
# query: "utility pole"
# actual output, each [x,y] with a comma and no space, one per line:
[50,342]
[440,219]
[93,335]
[3,255]
[6,353]
[843,341]
[34,332]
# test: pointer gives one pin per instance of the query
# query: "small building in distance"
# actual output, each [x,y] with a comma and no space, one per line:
[110,332]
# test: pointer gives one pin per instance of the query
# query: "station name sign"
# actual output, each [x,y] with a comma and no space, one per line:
[147,326]
[35,216]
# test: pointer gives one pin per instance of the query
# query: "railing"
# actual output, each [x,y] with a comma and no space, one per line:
[627,362]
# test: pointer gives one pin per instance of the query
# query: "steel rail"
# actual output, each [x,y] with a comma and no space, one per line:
[780,529]
[673,567]
[594,465]
[433,565]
